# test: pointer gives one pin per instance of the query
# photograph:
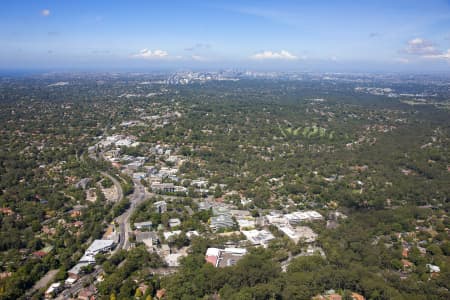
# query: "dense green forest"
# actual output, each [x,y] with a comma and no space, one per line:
[283,144]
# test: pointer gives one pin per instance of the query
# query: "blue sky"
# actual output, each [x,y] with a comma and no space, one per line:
[315,35]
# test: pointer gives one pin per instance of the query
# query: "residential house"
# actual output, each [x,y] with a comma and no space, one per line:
[149,238]
[169,234]
[53,289]
[174,222]
[88,293]
[204,205]
[76,271]
[160,206]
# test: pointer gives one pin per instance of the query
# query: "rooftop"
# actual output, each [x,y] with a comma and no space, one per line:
[99,245]
[261,237]
[224,257]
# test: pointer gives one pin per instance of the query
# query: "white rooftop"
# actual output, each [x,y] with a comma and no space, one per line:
[239,251]
[433,268]
[70,280]
[301,232]
[192,233]
[307,215]
[169,234]
[213,252]
[143,224]
[261,237]
[246,223]
[53,287]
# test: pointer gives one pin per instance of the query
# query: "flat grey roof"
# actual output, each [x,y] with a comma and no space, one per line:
[98,245]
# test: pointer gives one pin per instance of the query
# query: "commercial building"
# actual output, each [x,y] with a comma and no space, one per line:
[221,258]
[100,246]
[259,237]
[299,233]
[246,223]
[222,218]
[221,210]
[139,175]
[221,221]
[167,188]
[302,216]
[163,187]
[97,246]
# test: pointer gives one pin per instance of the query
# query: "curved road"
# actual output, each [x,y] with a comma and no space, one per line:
[116,184]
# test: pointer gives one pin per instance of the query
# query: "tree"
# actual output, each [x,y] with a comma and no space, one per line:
[347,295]
[138,293]
[218,191]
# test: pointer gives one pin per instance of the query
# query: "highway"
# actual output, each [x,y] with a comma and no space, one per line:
[139,195]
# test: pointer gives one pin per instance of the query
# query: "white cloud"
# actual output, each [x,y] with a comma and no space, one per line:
[419,46]
[198,46]
[442,55]
[45,12]
[152,54]
[198,58]
[401,60]
[425,49]
[283,54]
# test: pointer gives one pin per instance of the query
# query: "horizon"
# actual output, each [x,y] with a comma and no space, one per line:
[306,36]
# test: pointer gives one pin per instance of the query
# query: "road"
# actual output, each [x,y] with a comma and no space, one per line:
[48,277]
[124,227]
[139,195]
[285,263]
[116,184]
[78,286]
[115,181]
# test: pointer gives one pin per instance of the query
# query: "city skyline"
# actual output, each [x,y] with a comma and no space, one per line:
[262,35]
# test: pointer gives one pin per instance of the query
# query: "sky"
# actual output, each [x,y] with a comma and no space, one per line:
[302,35]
